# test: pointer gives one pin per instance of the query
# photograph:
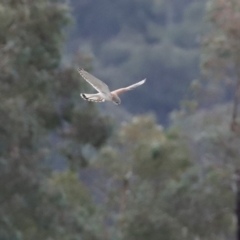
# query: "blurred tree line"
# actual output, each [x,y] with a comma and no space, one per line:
[137,180]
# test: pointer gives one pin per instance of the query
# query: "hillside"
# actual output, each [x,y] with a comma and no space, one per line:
[132,40]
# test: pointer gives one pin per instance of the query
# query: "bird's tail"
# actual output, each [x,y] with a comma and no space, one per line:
[92,97]
[83,95]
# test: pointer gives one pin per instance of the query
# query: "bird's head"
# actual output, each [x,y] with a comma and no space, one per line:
[116,99]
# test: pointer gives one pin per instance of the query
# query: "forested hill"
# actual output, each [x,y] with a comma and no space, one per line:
[68,173]
[135,39]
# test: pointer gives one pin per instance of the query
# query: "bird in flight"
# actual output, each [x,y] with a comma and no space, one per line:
[104,93]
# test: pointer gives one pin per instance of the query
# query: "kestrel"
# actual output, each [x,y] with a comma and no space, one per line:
[104,93]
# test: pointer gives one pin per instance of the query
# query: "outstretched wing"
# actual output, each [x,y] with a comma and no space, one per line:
[92,97]
[131,87]
[100,86]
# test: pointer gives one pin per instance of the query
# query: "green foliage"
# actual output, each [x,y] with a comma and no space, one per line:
[192,191]
[39,102]
[142,147]
[160,187]
[221,48]
[143,227]
[92,129]
[74,191]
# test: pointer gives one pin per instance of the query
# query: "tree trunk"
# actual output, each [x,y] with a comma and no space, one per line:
[123,203]
[235,127]
[238,203]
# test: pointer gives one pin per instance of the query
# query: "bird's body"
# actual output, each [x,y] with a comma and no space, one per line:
[104,93]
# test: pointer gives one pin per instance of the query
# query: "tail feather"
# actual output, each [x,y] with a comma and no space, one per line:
[83,96]
[92,97]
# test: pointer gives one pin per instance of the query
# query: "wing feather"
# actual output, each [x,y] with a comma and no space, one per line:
[96,83]
[131,87]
